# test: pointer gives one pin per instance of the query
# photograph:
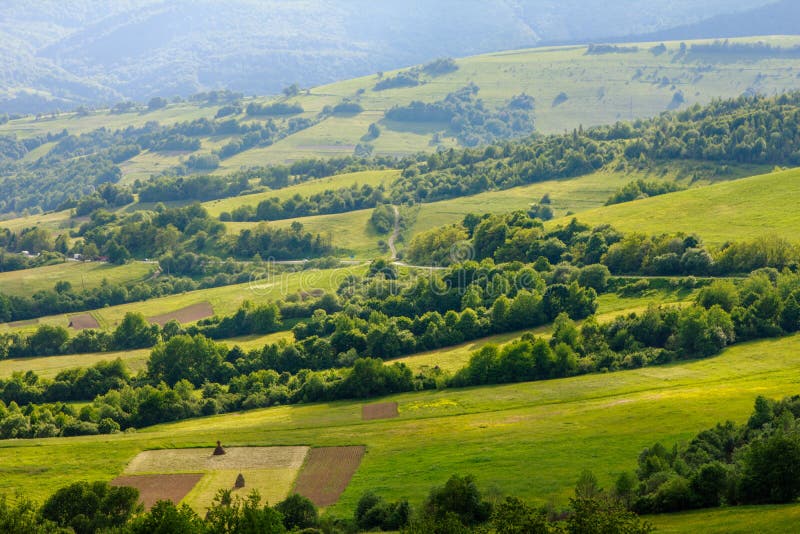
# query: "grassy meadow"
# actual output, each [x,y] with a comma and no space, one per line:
[600,89]
[529,439]
[731,211]
[353,234]
[81,275]
[225,300]
[372,178]
[610,305]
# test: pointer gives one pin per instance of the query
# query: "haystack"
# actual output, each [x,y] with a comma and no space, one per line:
[239,481]
[218,450]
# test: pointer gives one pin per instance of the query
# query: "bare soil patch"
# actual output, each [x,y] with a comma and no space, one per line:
[381,410]
[83,321]
[203,460]
[153,488]
[189,314]
[327,472]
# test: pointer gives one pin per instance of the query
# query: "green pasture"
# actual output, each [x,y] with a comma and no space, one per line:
[600,89]
[82,275]
[305,189]
[225,300]
[731,211]
[529,439]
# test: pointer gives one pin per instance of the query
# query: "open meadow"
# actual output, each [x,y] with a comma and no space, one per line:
[224,300]
[600,88]
[730,211]
[530,439]
[80,275]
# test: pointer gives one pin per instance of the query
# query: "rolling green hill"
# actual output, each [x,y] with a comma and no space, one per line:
[731,211]
[529,439]
[571,87]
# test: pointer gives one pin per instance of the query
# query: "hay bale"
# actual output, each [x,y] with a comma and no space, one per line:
[239,482]
[218,450]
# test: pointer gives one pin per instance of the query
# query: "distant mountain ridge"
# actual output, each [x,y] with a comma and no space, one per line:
[62,54]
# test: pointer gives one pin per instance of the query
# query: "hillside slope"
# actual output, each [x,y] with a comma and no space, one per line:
[571,87]
[730,211]
[59,54]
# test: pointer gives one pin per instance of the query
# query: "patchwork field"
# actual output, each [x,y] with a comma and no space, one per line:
[529,439]
[327,472]
[380,410]
[154,488]
[189,314]
[223,300]
[270,470]
[83,321]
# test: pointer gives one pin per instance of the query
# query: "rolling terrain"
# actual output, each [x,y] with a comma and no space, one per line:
[89,51]
[529,439]
[742,209]
[718,180]
[571,87]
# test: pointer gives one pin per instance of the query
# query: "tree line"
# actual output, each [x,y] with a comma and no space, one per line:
[339,355]
[457,507]
[521,236]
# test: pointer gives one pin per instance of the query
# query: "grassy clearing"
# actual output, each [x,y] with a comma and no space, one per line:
[53,221]
[353,233]
[528,439]
[373,178]
[80,275]
[50,366]
[735,520]
[451,359]
[75,124]
[135,360]
[225,300]
[736,210]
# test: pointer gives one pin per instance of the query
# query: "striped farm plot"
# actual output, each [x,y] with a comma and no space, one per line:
[270,470]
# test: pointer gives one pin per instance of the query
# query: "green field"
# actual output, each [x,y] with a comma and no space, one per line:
[225,300]
[353,233]
[731,211]
[53,221]
[601,89]
[135,360]
[372,178]
[81,275]
[528,439]
[50,366]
